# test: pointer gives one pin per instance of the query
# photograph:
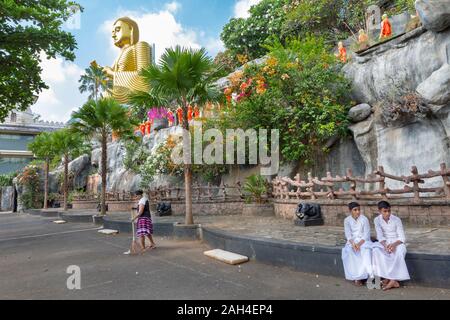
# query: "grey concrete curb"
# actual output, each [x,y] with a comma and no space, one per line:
[425,269]
[50,214]
[77,218]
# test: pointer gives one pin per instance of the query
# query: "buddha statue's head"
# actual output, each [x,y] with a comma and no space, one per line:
[125,32]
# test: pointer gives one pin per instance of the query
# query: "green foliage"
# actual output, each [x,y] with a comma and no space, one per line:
[99,119]
[43,146]
[256,187]
[29,28]
[141,102]
[227,61]
[331,19]
[245,36]
[135,155]
[298,90]
[69,144]
[160,163]
[6,180]
[183,75]
[32,195]
[94,81]
[400,6]
[75,194]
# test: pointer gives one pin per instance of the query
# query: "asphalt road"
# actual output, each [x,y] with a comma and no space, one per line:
[35,254]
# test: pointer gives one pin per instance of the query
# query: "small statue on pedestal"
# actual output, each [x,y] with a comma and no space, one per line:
[342,53]
[309,214]
[363,40]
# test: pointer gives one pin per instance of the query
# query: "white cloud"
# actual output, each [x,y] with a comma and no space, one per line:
[63,97]
[214,46]
[160,28]
[242,7]
[173,6]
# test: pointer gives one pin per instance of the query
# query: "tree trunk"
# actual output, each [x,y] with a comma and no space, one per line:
[46,169]
[104,160]
[187,173]
[65,184]
[188,191]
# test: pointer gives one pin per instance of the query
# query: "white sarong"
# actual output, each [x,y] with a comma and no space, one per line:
[390,265]
[357,265]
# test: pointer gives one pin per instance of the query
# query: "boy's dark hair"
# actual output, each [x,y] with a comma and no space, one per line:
[383,205]
[139,193]
[353,205]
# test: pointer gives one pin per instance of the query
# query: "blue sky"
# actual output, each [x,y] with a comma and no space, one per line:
[194,23]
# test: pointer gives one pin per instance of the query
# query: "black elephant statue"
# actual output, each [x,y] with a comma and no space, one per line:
[309,214]
[164,209]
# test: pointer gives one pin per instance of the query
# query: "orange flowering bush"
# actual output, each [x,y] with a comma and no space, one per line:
[299,90]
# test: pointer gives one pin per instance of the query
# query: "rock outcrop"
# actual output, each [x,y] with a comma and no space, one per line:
[417,62]
[434,14]
[360,112]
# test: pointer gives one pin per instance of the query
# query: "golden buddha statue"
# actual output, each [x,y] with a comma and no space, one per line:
[134,57]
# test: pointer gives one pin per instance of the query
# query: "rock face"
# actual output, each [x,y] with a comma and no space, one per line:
[398,66]
[434,14]
[415,62]
[121,179]
[6,198]
[436,87]
[360,112]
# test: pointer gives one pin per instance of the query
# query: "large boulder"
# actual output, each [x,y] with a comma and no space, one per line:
[7,200]
[81,169]
[434,14]
[397,67]
[436,88]
[366,141]
[360,112]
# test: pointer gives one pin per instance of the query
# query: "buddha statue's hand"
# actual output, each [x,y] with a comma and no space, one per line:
[108,71]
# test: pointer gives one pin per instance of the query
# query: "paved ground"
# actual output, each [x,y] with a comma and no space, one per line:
[419,240]
[35,254]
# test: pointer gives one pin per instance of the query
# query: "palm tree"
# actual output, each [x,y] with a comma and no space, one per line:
[94,81]
[69,146]
[99,119]
[43,148]
[187,77]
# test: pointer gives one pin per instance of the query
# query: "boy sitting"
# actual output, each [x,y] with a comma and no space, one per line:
[356,254]
[389,253]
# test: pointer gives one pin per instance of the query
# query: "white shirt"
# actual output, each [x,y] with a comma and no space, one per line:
[390,231]
[143,200]
[358,229]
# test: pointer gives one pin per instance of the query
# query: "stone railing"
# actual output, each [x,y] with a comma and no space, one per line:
[326,188]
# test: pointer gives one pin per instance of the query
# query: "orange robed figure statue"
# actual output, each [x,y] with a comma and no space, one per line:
[342,55]
[142,129]
[180,116]
[170,118]
[189,113]
[148,127]
[386,28]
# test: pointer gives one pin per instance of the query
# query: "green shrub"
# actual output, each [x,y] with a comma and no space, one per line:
[256,187]
[298,90]
[32,196]
[6,180]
